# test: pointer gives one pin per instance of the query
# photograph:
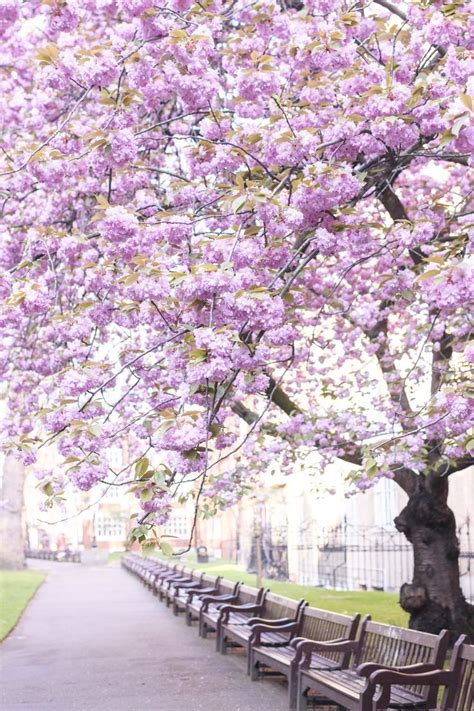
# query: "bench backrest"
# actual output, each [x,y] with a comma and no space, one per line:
[197,576]
[178,572]
[397,647]
[277,606]
[460,694]
[176,569]
[248,594]
[208,580]
[188,571]
[228,587]
[323,626]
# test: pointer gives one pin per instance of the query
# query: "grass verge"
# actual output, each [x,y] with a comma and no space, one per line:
[17,587]
[382,606]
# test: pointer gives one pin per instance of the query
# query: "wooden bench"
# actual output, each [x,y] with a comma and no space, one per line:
[458,681]
[282,615]
[208,585]
[210,615]
[145,568]
[152,569]
[189,579]
[192,580]
[132,563]
[318,625]
[212,604]
[161,580]
[378,646]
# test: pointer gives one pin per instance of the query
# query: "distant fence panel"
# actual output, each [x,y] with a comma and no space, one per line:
[348,557]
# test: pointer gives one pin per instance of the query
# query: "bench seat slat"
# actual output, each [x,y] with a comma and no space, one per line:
[285,655]
[244,632]
[347,683]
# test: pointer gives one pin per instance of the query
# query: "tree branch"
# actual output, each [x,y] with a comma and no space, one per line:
[279,398]
[459,465]
[398,396]
[392,8]
[397,212]
[352,453]
[440,356]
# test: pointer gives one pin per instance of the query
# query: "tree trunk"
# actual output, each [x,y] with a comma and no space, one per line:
[434,599]
[12,543]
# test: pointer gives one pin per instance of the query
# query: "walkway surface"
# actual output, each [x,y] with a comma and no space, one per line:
[94,639]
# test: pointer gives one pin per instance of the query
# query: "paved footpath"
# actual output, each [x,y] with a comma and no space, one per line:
[94,639]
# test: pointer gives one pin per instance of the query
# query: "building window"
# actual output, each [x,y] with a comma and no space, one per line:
[109,528]
[113,493]
[178,526]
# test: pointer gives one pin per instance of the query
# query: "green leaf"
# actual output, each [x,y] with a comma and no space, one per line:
[141,466]
[166,547]
[198,355]
[239,202]
[426,275]
[48,489]
[146,495]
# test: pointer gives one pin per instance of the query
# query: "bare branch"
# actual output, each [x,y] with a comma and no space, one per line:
[392,8]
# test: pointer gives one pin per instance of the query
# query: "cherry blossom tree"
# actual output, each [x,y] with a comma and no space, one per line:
[219,210]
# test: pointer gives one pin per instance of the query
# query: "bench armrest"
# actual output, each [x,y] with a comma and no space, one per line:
[183,586]
[296,640]
[199,591]
[189,582]
[378,688]
[272,623]
[306,648]
[166,579]
[181,581]
[208,599]
[370,668]
[246,607]
[258,630]
[386,677]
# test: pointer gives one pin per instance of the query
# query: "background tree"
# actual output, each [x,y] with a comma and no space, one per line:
[206,202]
[12,538]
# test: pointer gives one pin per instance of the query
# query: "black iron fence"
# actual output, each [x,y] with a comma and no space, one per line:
[346,557]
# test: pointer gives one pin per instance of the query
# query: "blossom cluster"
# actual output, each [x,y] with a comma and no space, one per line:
[244,210]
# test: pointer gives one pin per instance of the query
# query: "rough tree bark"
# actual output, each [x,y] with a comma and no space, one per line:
[12,542]
[434,599]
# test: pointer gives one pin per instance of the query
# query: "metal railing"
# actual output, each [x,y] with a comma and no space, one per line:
[346,557]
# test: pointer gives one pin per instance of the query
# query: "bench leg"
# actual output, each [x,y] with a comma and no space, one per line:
[293,686]
[175,608]
[301,700]
[223,649]
[253,668]
[249,658]
[188,617]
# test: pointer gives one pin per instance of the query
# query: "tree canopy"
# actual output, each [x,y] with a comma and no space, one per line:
[220,210]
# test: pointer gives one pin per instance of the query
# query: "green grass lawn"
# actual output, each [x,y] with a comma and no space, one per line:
[114,558]
[17,587]
[382,606]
